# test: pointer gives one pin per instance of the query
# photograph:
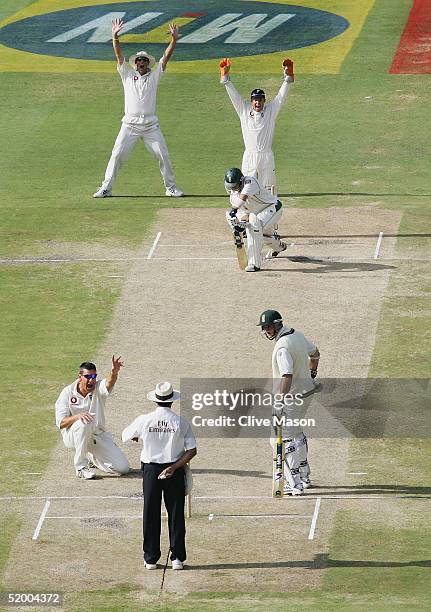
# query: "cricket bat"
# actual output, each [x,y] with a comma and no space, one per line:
[278,471]
[240,250]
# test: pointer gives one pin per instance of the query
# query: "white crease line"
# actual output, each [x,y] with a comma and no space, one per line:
[241,516]
[98,516]
[193,258]
[357,473]
[406,496]
[331,259]
[379,242]
[207,245]
[153,248]
[41,519]
[314,519]
[30,497]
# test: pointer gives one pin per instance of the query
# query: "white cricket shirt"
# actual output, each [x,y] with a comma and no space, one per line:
[258,198]
[164,434]
[71,402]
[140,93]
[257,128]
[290,356]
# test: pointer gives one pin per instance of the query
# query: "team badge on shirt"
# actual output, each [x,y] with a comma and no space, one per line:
[73,400]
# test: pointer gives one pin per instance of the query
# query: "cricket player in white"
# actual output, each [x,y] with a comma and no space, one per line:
[258,125]
[255,210]
[80,416]
[140,121]
[294,366]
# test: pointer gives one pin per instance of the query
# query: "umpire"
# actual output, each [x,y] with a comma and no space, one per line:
[168,445]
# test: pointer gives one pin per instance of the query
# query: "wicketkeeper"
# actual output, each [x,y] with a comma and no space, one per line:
[255,211]
[258,124]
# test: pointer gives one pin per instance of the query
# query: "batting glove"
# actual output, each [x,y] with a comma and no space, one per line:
[224,65]
[288,68]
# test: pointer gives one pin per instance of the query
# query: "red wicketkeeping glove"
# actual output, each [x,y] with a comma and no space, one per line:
[224,66]
[288,67]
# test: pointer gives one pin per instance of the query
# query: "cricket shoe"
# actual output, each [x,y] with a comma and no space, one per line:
[271,254]
[252,268]
[85,473]
[296,490]
[177,564]
[174,192]
[306,483]
[102,193]
[150,566]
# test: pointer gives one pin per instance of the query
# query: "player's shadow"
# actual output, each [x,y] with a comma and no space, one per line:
[249,473]
[384,489]
[320,561]
[325,266]
[316,194]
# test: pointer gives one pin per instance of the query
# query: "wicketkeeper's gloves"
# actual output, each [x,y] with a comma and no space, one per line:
[288,68]
[224,66]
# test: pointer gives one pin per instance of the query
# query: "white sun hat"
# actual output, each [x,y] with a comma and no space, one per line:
[164,392]
[151,59]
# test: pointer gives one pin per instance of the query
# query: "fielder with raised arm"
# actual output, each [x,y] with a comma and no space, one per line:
[80,416]
[295,359]
[256,211]
[258,124]
[140,121]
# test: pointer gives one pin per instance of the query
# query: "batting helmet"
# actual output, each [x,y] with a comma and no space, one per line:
[269,317]
[257,93]
[233,179]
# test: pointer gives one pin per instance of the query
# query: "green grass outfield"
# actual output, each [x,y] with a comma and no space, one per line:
[357,137]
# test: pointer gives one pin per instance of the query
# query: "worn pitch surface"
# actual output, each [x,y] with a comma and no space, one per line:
[330,288]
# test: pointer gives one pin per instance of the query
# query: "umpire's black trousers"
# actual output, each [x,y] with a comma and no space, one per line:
[174,496]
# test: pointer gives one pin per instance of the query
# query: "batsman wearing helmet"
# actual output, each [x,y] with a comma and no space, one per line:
[256,211]
[294,367]
[258,124]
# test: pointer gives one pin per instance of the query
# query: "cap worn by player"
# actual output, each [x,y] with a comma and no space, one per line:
[257,93]
[233,180]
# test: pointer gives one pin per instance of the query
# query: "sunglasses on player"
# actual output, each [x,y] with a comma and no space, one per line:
[89,376]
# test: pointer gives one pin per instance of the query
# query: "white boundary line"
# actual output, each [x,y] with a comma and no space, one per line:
[314,519]
[41,519]
[379,242]
[153,248]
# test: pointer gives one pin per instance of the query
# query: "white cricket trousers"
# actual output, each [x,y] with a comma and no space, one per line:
[101,447]
[259,230]
[155,143]
[261,165]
